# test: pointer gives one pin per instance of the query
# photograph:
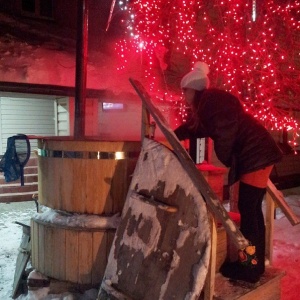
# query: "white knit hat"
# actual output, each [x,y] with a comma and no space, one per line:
[196,79]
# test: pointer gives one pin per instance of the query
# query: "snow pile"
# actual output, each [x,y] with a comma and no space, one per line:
[77,220]
[43,292]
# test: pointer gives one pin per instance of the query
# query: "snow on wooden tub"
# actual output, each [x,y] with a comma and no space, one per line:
[72,247]
[85,176]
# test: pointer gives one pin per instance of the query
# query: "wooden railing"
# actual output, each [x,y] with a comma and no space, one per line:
[275,199]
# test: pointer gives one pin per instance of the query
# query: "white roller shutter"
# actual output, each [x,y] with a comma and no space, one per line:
[27,116]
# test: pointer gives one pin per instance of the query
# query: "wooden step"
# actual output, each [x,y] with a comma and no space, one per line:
[13,191]
[17,188]
[33,161]
[30,170]
[17,197]
[28,178]
[268,288]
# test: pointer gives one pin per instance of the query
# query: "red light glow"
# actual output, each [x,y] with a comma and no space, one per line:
[251,49]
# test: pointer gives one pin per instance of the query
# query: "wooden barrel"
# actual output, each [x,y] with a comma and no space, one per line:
[75,254]
[85,176]
[214,177]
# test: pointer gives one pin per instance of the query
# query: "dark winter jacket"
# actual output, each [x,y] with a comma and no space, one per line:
[240,141]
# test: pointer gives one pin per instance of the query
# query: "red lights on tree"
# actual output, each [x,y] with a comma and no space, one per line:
[252,49]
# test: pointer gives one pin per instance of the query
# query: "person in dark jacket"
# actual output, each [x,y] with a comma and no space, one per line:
[242,144]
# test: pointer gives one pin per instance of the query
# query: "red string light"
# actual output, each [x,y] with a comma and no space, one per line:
[251,50]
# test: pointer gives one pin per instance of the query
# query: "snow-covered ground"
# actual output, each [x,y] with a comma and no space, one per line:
[286,250]
[286,253]
[11,234]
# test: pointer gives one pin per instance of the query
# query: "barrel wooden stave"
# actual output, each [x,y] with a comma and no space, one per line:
[77,255]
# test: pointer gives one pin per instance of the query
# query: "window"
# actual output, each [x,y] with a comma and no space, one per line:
[28,6]
[38,8]
[46,8]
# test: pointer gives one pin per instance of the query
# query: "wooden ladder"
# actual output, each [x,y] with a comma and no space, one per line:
[268,287]
[219,288]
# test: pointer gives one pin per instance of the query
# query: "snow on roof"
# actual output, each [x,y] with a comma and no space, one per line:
[32,55]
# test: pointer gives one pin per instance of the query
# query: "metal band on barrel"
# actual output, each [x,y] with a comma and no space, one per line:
[87,154]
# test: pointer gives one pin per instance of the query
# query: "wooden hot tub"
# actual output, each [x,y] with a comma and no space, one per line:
[74,254]
[85,176]
[79,179]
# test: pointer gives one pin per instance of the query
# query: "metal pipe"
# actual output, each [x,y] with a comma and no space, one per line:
[81,68]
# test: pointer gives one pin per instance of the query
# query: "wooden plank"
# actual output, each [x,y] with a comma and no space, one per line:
[145,122]
[278,198]
[268,288]
[41,248]
[164,238]
[22,260]
[99,255]
[72,259]
[85,256]
[209,196]
[49,250]
[110,239]
[222,247]
[209,286]
[59,253]
[269,220]
[34,244]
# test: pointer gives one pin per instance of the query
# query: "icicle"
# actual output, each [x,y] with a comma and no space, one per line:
[110,14]
[253,10]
